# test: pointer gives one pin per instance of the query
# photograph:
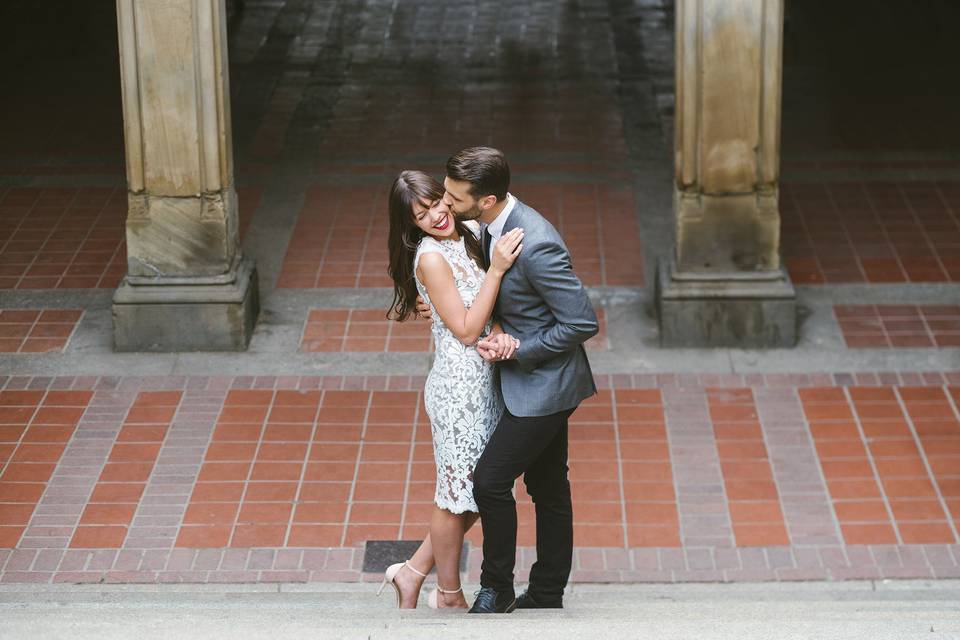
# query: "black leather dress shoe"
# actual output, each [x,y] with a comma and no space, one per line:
[526,601]
[489,600]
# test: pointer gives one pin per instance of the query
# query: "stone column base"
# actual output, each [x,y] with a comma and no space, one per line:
[176,316]
[749,310]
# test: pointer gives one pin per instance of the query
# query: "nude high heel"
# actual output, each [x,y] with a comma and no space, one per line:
[392,572]
[434,597]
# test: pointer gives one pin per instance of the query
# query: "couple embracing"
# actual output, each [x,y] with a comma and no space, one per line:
[509,319]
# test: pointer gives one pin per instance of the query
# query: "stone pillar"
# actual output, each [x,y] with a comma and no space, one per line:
[187,288]
[724,284]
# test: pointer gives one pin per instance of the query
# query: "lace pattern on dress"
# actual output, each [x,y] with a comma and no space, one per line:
[459,393]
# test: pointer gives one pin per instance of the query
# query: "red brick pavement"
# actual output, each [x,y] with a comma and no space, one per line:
[35,428]
[649,494]
[551,118]
[62,238]
[113,503]
[362,330]
[754,502]
[340,239]
[871,232]
[334,330]
[283,478]
[37,330]
[832,233]
[884,488]
[899,325]
[72,238]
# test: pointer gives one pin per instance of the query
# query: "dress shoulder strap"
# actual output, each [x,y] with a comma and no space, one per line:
[427,245]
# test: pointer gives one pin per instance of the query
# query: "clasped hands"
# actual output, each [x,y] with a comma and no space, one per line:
[497,346]
[494,347]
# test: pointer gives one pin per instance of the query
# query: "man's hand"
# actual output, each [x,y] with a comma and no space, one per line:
[423,310]
[497,347]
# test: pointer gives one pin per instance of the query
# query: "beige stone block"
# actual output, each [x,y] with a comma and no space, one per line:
[727,233]
[169,237]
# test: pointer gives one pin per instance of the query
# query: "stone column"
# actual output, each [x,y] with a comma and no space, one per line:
[724,284]
[187,287]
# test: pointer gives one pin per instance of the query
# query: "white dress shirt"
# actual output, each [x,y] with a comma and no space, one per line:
[496,227]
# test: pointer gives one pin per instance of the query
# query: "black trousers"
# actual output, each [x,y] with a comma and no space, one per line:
[535,447]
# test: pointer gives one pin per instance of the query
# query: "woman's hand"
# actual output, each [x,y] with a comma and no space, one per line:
[423,309]
[508,345]
[497,347]
[507,249]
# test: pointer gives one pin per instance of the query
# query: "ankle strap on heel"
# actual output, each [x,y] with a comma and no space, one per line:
[457,590]
[414,569]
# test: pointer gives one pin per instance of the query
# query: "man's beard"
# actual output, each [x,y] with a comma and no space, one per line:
[470,214]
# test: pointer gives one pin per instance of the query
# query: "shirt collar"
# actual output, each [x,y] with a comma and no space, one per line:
[496,227]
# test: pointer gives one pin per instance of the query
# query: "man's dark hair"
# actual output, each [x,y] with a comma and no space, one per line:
[484,168]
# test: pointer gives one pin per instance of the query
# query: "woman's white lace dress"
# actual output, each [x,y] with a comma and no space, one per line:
[459,395]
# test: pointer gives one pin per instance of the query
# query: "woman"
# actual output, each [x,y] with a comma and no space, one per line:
[439,257]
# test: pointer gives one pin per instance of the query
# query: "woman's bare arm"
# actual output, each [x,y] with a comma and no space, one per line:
[437,276]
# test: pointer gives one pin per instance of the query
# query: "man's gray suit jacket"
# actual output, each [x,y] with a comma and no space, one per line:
[543,304]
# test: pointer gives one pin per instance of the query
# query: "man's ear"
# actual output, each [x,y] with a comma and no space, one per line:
[487,202]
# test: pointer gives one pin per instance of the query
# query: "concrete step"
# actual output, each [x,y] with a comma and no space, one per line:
[876,610]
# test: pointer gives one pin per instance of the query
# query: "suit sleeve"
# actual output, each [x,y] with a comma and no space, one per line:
[550,272]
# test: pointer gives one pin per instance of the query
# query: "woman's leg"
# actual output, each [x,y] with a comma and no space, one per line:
[446,534]
[423,561]
[410,582]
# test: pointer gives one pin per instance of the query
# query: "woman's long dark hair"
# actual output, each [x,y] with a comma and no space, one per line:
[411,187]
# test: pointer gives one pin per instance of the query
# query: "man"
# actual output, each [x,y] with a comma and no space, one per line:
[542,304]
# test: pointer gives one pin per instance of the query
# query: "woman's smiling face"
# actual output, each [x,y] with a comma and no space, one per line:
[434,218]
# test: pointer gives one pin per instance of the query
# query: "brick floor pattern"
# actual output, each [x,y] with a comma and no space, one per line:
[578,118]
[340,239]
[112,505]
[362,330]
[37,330]
[753,499]
[871,232]
[291,475]
[72,238]
[646,473]
[62,238]
[902,325]
[889,457]
[336,330]
[35,427]
[263,458]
